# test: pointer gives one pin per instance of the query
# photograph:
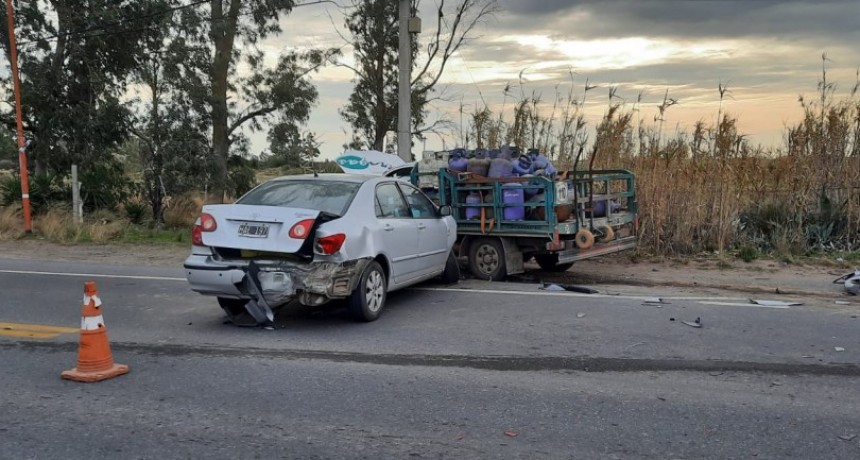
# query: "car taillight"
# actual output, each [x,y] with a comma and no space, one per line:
[207,223]
[330,244]
[197,235]
[301,230]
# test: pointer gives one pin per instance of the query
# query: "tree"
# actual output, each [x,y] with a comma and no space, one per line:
[373,24]
[75,56]
[171,119]
[281,93]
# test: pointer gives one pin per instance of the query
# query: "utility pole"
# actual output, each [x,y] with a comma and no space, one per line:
[22,146]
[408,25]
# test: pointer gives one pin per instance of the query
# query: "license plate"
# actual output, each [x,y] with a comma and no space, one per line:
[253,230]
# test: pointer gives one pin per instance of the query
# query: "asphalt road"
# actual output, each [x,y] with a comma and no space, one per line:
[478,371]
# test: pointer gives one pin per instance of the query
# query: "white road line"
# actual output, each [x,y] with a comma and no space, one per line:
[731,304]
[702,300]
[569,294]
[94,275]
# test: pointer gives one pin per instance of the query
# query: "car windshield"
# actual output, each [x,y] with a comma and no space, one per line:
[332,197]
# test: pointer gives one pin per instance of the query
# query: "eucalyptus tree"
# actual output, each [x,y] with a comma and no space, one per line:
[374,30]
[75,56]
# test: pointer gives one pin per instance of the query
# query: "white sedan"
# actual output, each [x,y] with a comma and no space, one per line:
[317,238]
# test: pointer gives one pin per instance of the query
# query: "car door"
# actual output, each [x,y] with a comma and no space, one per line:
[433,232]
[400,238]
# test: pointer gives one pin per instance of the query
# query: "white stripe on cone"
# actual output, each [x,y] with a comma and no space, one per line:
[91,323]
[95,298]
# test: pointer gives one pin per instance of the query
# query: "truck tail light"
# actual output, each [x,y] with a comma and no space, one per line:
[329,245]
[301,230]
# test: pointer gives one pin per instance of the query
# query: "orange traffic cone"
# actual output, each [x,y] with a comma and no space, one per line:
[95,362]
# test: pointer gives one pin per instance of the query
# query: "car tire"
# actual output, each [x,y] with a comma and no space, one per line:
[236,312]
[451,275]
[549,263]
[487,259]
[368,299]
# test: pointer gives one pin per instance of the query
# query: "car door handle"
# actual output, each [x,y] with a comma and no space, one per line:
[421,226]
[389,228]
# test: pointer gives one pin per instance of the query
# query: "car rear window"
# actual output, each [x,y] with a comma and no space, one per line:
[330,197]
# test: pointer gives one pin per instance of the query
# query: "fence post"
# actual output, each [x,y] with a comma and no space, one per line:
[77,206]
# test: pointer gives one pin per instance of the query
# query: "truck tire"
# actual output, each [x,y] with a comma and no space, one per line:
[368,299]
[549,263]
[487,259]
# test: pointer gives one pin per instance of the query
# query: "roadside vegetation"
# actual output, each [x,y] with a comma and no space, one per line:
[149,158]
[709,190]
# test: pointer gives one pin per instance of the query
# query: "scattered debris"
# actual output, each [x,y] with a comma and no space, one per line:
[511,434]
[776,383]
[696,323]
[671,319]
[775,303]
[841,302]
[551,287]
[716,374]
[580,315]
[661,398]
[807,356]
[654,302]
[851,281]
[568,287]
[839,348]
[848,437]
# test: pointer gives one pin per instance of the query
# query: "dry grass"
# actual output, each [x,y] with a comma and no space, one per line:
[182,211]
[709,189]
[11,223]
[58,225]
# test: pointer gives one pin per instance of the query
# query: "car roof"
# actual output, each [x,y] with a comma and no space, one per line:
[337,177]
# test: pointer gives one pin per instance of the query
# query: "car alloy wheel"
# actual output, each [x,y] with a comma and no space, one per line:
[368,300]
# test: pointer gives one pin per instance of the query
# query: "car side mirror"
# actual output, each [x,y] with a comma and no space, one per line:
[445,211]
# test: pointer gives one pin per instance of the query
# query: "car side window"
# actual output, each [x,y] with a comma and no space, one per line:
[420,207]
[389,203]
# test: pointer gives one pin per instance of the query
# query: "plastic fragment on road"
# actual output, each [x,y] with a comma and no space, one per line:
[551,287]
[851,282]
[568,287]
[839,348]
[775,303]
[696,323]
[580,315]
[848,437]
[511,434]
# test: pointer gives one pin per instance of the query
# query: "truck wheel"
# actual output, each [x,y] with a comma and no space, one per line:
[451,275]
[368,299]
[549,263]
[487,259]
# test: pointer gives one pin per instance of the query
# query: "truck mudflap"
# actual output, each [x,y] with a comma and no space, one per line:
[575,254]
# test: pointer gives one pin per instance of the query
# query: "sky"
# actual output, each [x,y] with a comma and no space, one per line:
[765,52]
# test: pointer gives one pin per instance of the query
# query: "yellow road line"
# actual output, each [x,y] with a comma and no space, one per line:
[33,331]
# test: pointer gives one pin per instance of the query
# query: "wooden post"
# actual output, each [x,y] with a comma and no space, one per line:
[77,206]
[22,149]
